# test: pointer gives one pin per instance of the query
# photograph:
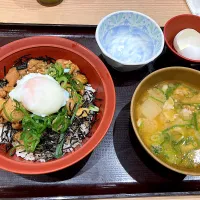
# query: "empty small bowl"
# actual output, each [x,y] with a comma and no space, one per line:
[175,25]
[129,40]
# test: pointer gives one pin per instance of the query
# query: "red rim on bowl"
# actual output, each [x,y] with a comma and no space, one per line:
[98,68]
[175,25]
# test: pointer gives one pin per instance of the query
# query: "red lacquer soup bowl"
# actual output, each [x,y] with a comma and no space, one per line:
[177,24]
[98,76]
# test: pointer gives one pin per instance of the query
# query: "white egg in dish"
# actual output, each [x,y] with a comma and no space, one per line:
[187,43]
[40,94]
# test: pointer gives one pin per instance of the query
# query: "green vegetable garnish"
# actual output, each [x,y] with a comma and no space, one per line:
[56,71]
[51,72]
[156,149]
[34,126]
[63,81]
[194,121]
[7,115]
[76,85]
[61,121]
[79,102]
[171,89]
[61,124]
[59,147]
[177,125]
[156,99]
[94,108]
[59,69]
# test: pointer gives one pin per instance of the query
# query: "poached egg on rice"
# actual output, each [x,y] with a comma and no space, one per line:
[40,94]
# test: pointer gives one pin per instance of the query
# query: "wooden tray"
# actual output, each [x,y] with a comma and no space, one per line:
[119,166]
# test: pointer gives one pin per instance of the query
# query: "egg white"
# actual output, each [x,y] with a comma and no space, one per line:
[40,94]
[187,43]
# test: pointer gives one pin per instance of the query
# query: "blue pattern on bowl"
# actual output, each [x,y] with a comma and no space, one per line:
[130,37]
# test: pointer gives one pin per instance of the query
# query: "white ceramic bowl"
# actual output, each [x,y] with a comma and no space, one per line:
[129,40]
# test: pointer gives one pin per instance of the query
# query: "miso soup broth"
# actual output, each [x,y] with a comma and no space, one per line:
[168,121]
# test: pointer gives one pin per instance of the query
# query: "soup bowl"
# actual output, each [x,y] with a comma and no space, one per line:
[181,74]
[98,76]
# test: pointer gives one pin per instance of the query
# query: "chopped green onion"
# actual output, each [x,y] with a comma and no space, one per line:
[59,147]
[79,102]
[34,126]
[52,72]
[194,121]
[5,112]
[76,85]
[60,123]
[59,69]
[156,149]
[170,90]
[63,81]
[156,99]
[175,126]
[93,108]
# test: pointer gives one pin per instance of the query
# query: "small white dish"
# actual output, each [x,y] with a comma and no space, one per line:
[129,40]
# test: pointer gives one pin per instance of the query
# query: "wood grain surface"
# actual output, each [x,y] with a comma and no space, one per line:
[86,11]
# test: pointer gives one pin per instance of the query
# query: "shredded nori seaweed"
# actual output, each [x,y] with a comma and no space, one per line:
[3,83]
[47,146]
[22,62]
[9,146]
[75,135]
[7,133]
[4,70]
[22,66]
[49,140]
[46,59]
[6,136]
[89,97]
